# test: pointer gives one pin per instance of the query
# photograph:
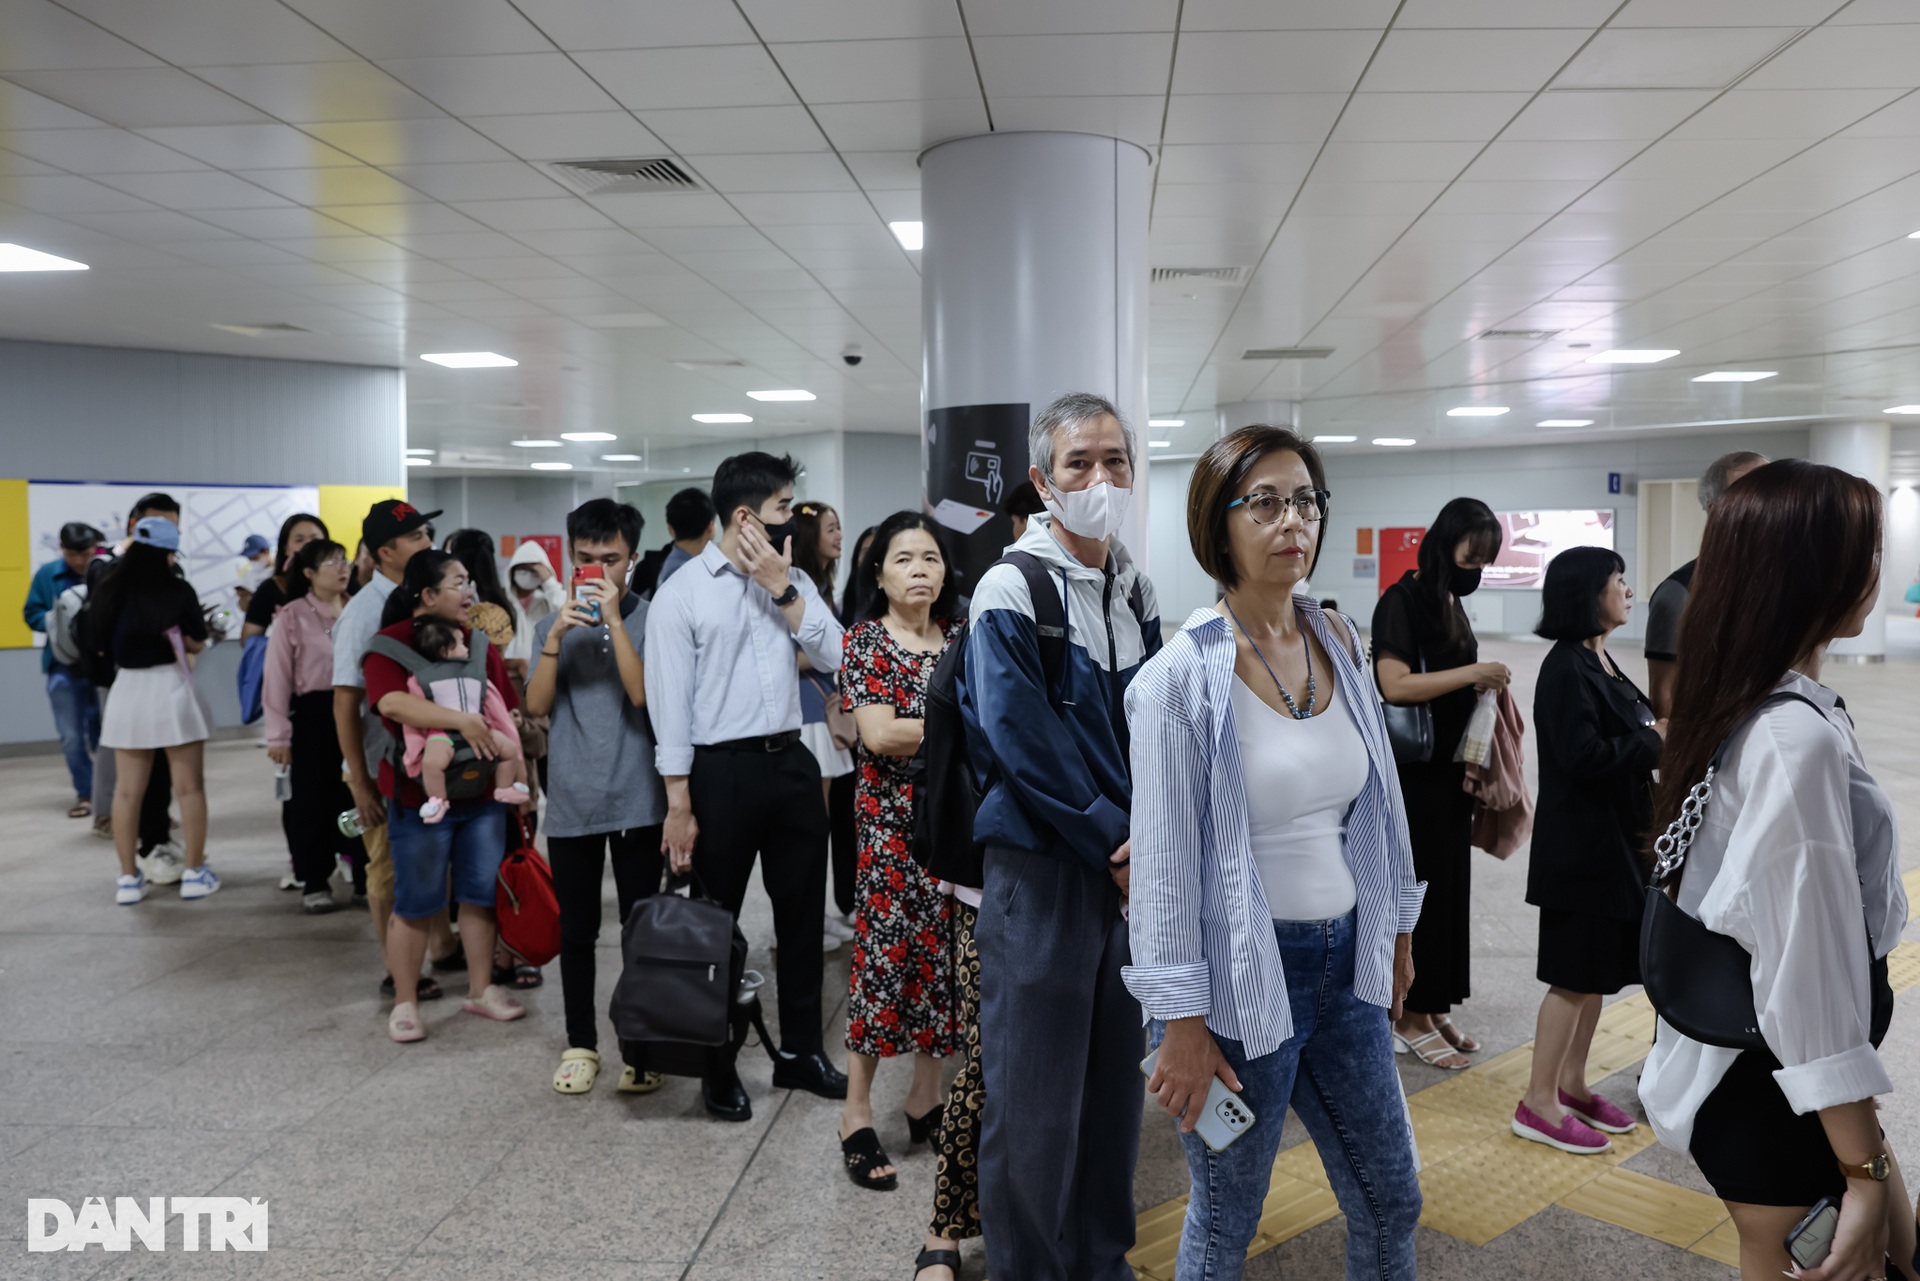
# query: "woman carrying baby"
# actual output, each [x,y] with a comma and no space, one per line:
[455,679]
[464,837]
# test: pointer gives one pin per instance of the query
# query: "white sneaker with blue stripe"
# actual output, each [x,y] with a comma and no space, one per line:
[129,890]
[198,882]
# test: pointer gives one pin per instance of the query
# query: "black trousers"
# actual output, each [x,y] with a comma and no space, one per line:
[579,863]
[845,842]
[768,805]
[319,793]
[156,823]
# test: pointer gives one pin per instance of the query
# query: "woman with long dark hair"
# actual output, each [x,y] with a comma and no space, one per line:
[493,611]
[296,531]
[1798,861]
[816,549]
[1599,745]
[147,621]
[1424,651]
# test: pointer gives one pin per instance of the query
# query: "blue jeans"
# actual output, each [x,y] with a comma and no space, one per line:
[471,840]
[1337,1073]
[76,715]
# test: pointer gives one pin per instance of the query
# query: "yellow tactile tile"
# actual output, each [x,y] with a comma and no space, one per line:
[1722,1245]
[1903,966]
[1292,1206]
[1652,1207]
[1497,1184]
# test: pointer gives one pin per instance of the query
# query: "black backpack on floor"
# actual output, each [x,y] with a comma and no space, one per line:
[682,1004]
[946,795]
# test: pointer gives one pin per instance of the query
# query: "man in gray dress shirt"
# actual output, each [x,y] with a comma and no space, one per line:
[724,692]
[1670,597]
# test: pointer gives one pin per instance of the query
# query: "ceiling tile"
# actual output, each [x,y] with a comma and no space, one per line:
[707,76]
[1571,115]
[156,226]
[885,170]
[599,134]
[306,92]
[223,31]
[1392,161]
[635,24]
[1252,117]
[808,171]
[1716,13]
[576,242]
[502,180]
[285,223]
[773,210]
[1845,58]
[97,151]
[1262,163]
[1058,66]
[140,96]
[668,209]
[1197,200]
[424,28]
[563,214]
[1136,119]
[879,70]
[1069,17]
[46,37]
[1295,15]
[781,21]
[506,83]
[1518,161]
[901,126]
[401,142]
[1260,61]
[450,246]
[1671,57]
[10,163]
[60,193]
[199,190]
[24,109]
[1470,61]
[401,219]
[728,130]
[357,185]
[269,146]
[1503,13]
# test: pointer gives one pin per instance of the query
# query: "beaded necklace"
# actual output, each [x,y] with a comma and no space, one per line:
[1287,698]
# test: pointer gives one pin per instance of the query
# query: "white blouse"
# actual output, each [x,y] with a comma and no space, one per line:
[1798,860]
[1302,778]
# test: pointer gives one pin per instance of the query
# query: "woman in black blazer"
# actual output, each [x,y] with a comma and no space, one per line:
[1599,745]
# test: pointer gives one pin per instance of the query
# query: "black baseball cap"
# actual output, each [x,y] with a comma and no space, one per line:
[78,536]
[389,519]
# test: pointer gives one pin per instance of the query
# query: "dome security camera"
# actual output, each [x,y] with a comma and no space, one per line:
[851,354]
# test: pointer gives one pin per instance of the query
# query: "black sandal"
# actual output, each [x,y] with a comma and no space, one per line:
[454,962]
[936,1259]
[863,1155]
[925,1128]
[522,978]
[425,990]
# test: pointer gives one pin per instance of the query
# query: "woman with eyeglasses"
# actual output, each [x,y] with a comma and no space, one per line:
[1424,652]
[1273,888]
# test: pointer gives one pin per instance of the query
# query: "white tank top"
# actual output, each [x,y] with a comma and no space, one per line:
[1302,776]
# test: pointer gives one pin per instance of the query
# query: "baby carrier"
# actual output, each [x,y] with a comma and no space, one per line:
[468,777]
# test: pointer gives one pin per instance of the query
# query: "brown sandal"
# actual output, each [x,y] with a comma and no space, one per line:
[81,809]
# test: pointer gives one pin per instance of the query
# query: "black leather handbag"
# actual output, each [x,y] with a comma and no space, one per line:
[1410,728]
[1700,982]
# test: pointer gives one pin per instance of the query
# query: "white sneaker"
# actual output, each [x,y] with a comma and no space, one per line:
[165,864]
[198,882]
[839,928]
[288,881]
[129,890]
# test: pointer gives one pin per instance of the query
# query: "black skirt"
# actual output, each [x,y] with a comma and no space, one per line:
[1587,954]
[1750,1143]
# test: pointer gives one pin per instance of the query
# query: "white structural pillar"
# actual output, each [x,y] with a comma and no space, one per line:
[1865,449]
[1034,284]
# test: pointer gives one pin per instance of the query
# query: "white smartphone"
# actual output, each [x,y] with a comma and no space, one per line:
[1223,1119]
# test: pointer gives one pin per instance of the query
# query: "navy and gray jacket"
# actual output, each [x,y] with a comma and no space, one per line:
[1052,764]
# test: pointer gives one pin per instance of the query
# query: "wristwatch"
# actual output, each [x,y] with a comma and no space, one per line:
[787,597]
[1877,1169]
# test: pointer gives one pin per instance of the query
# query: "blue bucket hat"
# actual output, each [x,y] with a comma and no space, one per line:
[157,531]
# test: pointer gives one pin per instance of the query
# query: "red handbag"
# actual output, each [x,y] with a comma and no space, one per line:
[525,904]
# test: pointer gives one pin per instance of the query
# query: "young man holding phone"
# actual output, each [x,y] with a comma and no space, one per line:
[724,693]
[603,795]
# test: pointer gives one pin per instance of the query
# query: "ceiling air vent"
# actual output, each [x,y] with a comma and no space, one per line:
[1286,353]
[267,329]
[1534,334]
[1212,275]
[695,366]
[614,177]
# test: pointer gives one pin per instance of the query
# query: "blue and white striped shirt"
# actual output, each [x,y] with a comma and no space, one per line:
[1202,934]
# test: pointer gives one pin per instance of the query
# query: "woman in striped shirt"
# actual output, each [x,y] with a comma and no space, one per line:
[1273,892]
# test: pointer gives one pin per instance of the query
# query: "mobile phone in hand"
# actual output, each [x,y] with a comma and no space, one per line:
[1223,1119]
[588,574]
[1812,1238]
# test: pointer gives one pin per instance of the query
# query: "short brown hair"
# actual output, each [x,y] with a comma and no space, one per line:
[1220,472]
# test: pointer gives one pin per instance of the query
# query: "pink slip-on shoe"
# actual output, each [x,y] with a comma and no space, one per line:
[403,1025]
[494,1003]
[1571,1135]
[1599,1113]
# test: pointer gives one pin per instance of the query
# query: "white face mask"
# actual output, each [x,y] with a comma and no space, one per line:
[1094,512]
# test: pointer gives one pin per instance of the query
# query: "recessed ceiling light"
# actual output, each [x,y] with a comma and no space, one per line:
[419,462]
[1902,409]
[1166,422]
[1737,375]
[420,451]
[20,258]
[619,458]
[1334,440]
[470,359]
[537,444]
[723,418]
[1477,411]
[1564,422]
[1631,356]
[586,436]
[1913,235]
[911,235]
[551,466]
[1159,444]
[790,394]
[1394,442]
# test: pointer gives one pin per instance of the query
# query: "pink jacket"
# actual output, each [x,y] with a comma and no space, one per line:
[1502,809]
[299,661]
[461,695]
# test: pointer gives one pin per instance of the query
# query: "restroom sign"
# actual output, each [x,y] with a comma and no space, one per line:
[1613,482]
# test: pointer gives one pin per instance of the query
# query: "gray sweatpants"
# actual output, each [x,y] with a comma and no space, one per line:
[1060,1047]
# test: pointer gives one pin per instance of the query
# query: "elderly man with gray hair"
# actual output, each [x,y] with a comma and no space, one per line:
[1060,625]
[1670,597]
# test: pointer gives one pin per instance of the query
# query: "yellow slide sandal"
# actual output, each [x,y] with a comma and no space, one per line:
[577,1071]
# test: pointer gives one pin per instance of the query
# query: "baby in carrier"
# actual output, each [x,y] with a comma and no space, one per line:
[429,752]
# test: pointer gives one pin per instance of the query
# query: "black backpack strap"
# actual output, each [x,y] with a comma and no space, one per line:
[1049,613]
[1785,697]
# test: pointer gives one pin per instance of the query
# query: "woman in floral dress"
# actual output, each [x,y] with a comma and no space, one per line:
[902,998]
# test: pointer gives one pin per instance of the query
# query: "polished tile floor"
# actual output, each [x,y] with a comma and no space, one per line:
[235,1047]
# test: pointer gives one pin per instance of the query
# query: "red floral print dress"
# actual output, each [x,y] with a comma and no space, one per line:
[902,998]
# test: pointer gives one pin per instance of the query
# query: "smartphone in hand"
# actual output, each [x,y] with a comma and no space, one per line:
[588,574]
[1812,1238]
[1223,1119]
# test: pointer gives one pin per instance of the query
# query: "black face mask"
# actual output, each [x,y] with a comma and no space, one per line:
[1463,582]
[779,534]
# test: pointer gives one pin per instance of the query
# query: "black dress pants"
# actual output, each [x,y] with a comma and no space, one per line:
[846,845]
[579,863]
[319,793]
[767,804]
[156,822]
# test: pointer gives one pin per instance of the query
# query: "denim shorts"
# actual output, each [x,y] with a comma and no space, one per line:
[471,840]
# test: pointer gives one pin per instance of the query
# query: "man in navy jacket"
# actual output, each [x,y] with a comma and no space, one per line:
[1060,1035]
[76,707]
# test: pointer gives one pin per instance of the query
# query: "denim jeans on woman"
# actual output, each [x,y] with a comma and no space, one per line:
[1336,1071]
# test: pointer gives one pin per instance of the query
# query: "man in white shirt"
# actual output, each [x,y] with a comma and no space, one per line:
[724,693]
